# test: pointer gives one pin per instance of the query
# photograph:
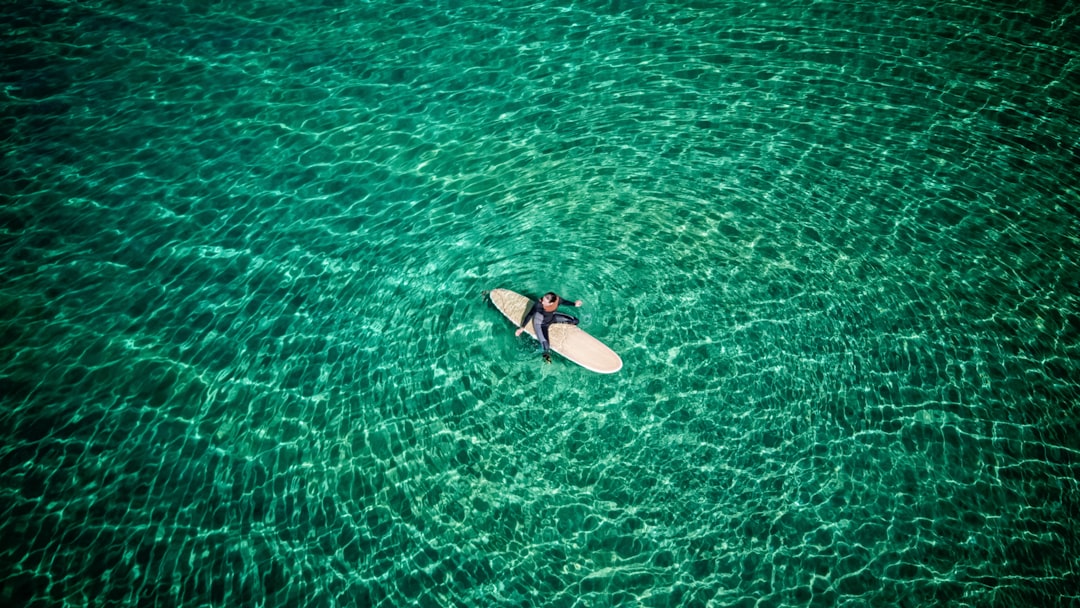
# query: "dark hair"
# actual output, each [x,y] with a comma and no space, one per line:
[549,297]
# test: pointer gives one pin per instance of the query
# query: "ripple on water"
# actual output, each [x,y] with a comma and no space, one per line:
[246,357]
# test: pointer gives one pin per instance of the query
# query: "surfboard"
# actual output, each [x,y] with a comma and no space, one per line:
[570,341]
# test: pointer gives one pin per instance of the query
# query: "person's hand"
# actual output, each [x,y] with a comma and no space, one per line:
[547,357]
[578,303]
[519,330]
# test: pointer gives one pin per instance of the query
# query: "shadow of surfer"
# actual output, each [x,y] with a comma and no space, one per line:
[543,313]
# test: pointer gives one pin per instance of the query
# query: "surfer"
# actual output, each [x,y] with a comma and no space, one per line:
[543,314]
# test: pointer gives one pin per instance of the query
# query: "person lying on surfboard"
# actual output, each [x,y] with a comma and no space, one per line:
[543,314]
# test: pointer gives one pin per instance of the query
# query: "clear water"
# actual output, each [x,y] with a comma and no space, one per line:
[246,359]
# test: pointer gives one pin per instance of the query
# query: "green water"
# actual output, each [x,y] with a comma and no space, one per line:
[246,361]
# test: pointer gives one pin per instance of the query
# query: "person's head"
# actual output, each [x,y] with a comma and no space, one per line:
[550,301]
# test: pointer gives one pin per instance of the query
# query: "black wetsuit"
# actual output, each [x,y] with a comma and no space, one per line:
[541,319]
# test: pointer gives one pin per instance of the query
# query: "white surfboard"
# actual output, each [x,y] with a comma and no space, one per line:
[568,340]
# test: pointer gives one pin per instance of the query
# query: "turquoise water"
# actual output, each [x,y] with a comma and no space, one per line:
[246,359]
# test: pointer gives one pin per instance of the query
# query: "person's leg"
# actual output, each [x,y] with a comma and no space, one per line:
[540,329]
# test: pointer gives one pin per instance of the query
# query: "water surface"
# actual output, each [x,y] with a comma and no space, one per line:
[246,358]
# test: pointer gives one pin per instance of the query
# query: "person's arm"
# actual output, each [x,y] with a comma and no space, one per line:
[570,302]
[527,318]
